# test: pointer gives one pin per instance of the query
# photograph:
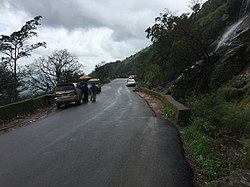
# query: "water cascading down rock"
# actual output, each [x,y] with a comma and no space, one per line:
[238,28]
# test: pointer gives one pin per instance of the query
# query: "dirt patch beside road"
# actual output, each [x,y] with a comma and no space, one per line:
[154,103]
[25,120]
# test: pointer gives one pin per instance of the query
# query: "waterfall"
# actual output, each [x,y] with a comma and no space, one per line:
[231,32]
[228,34]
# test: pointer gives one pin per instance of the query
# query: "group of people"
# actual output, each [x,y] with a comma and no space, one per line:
[86,90]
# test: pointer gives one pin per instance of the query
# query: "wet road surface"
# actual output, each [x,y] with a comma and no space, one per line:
[116,141]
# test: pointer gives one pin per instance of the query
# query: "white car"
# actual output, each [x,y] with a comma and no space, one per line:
[131,82]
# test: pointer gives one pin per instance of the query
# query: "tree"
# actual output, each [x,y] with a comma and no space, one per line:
[163,25]
[195,5]
[15,46]
[101,70]
[6,85]
[173,28]
[59,67]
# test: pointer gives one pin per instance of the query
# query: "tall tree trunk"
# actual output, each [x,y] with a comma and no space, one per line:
[15,92]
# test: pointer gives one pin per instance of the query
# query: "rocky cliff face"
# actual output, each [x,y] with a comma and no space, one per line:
[229,62]
[234,51]
[245,8]
[238,28]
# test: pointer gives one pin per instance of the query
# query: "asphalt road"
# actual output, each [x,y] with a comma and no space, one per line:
[116,141]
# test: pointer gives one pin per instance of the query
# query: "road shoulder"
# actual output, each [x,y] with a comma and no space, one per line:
[25,120]
[154,103]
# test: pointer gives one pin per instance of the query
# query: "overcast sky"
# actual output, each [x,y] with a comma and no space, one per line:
[93,30]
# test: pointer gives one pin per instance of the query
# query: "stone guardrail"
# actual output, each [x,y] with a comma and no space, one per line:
[22,108]
[182,113]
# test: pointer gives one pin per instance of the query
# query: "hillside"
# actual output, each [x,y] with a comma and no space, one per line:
[195,50]
[203,60]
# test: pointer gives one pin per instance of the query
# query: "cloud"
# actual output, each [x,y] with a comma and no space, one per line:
[94,30]
[126,18]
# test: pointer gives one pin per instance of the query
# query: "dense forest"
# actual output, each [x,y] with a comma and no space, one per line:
[203,60]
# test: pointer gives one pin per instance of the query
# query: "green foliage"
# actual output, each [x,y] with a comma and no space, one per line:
[60,66]
[246,88]
[203,106]
[210,162]
[105,81]
[204,126]
[118,69]
[225,109]
[181,56]
[169,113]
[182,44]
[7,83]
[173,109]
[208,8]
[153,74]
[178,43]
[192,80]
[163,24]
[15,46]
[210,13]
[234,119]
[230,93]
[247,150]
[222,114]
[211,24]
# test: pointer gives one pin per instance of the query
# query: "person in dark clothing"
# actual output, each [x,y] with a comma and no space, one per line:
[85,91]
[48,93]
[93,90]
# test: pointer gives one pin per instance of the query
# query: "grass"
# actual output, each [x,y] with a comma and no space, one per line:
[247,150]
[234,120]
[215,117]
[229,115]
[169,113]
[202,149]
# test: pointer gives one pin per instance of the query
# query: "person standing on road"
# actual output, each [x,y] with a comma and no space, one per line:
[85,91]
[93,90]
[48,93]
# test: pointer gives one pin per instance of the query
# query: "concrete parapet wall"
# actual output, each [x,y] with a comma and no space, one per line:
[22,108]
[182,113]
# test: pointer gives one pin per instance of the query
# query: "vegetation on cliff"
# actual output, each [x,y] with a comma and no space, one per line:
[185,60]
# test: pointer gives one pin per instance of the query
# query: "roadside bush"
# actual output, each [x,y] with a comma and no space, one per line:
[210,163]
[203,106]
[247,90]
[227,109]
[230,94]
[105,80]
[204,126]
[234,119]
[247,151]
[152,77]
[169,113]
